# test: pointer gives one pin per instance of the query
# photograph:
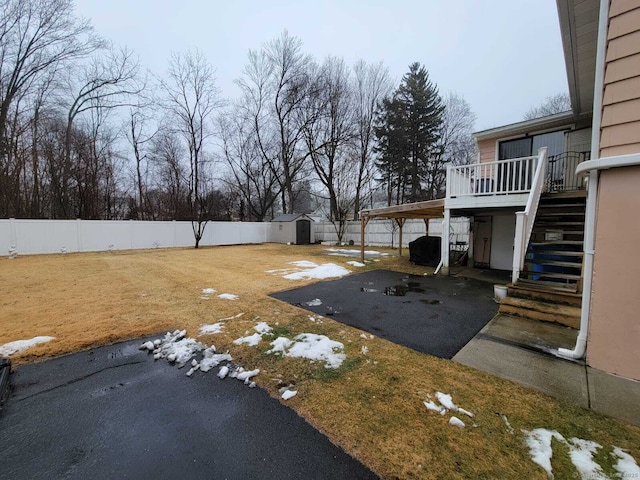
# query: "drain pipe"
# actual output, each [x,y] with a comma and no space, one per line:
[592,196]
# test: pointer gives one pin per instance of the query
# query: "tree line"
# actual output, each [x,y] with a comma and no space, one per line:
[86,132]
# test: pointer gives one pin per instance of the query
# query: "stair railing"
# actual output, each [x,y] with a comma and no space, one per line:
[525,220]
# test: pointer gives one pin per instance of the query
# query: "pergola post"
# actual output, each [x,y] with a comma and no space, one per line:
[400,222]
[364,219]
[445,242]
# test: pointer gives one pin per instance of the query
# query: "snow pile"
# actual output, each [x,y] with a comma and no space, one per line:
[208,291]
[327,270]
[310,346]
[178,349]
[21,345]
[211,329]
[445,405]
[174,347]
[316,302]
[356,264]
[287,394]
[456,422]
[506,422]
[228,296]
[364,350]
[581,452]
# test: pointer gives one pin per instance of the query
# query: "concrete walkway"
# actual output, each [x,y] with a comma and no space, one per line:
[523,350]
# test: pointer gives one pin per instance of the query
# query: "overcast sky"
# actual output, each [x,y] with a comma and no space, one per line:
[502,56]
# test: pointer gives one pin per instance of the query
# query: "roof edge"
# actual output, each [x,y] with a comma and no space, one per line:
[535,123]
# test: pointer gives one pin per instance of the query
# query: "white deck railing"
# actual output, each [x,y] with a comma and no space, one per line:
[492,178]
[525,220]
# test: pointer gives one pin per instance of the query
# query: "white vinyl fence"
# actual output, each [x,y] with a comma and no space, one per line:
[385,232]
[53,236]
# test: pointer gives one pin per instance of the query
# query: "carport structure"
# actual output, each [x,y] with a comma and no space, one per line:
[400,213]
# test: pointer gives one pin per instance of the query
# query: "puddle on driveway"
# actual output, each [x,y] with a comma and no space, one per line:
[401,290]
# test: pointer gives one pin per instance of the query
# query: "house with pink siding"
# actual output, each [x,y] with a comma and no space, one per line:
[555,200]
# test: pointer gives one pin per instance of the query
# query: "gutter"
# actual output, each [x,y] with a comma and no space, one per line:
[580,348]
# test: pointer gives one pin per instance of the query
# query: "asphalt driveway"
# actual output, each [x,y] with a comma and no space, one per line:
[432,314]
[113,412]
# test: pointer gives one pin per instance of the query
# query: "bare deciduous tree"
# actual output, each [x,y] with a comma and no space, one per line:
[557,103]
[372,84]
[274,86]
[191,99]
[251,175]
[36,36]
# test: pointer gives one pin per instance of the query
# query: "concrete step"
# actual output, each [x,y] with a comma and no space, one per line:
[541,310]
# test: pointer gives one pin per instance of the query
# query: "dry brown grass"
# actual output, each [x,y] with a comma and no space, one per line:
[373,409]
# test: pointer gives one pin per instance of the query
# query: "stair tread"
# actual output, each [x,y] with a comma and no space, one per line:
[565,253]
[557,230]
[554,286]
[558,242]
[554,263]
[561,275]
[561,214]
[557,205]
[542,306]
[544,224]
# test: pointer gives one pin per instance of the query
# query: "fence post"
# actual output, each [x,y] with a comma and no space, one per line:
[79,234]
[13,234]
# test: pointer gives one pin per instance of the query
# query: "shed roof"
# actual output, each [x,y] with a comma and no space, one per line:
[290,217]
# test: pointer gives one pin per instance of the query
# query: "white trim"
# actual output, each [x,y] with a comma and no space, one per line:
[606,163]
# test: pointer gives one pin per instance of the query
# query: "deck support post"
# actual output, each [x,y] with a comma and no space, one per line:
[400,222]
[364,219]
[445,242]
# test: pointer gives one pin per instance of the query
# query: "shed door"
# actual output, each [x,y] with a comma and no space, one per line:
[303,232]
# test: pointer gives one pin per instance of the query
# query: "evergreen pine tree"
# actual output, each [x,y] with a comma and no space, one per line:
[408,135]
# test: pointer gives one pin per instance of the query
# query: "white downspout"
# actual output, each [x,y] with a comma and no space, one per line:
[592,194]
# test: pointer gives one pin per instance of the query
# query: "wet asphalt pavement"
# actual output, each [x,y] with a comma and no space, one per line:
[434,315]
[113,413]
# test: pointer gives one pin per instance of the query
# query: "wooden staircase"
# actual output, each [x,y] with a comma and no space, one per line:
[550,284]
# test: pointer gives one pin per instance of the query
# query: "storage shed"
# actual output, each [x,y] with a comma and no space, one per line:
[292,228]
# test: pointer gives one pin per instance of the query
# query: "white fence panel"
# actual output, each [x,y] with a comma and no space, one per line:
[50,236]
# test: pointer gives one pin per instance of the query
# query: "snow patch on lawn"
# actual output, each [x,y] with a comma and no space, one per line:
[626,465]
[356,264]
[232,318]
[304,264]
[251,340]
[262,328]
[211,329]
[21,345]
[228,296]
[310,346]
[327,270]
[581,453]
[456,422]
[208,291]
[345,252]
